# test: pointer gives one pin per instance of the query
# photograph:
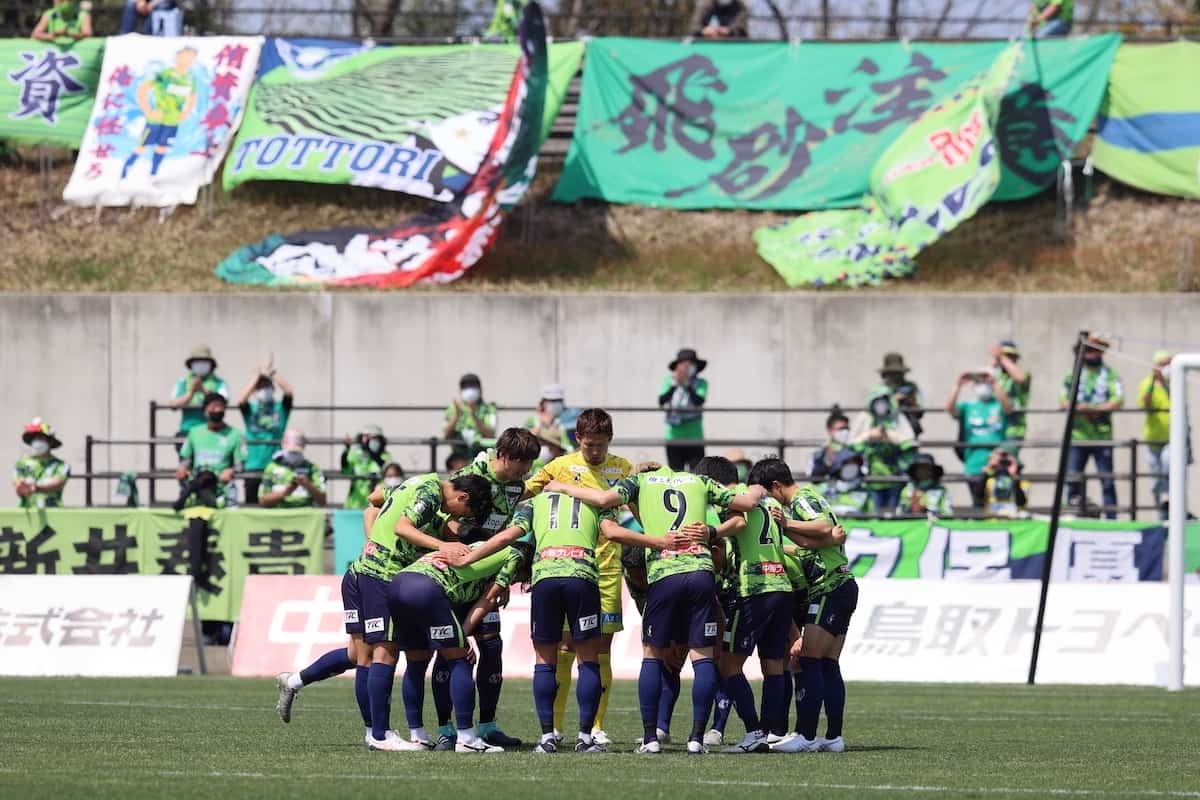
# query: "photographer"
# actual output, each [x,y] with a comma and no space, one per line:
[214,448]
[982,421]
[291,480]
[1004,493]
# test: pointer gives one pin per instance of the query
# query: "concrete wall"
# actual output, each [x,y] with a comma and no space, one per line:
[90,363]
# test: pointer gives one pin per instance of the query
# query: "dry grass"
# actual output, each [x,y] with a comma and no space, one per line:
[1126,241]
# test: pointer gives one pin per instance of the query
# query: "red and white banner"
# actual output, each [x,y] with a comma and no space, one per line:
[94,625]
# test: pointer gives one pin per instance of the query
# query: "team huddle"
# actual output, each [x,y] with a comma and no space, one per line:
[718,567]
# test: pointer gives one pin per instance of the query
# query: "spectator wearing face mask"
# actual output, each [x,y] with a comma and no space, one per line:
[364,459]
[470,418]
[886,441]
[1154,398]
[214,447]
[1016,382]
[924,492]
[1099,395]
[393,475]
[39,478]
[845,490]
[546,424]
[905,393]
[720,19]
[1004,493]
[682,396]
[266,416]
[837,431]
[981,423]
[291,480]
[192,388]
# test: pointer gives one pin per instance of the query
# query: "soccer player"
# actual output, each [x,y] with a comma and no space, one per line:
[833,596]
[681,601]
[166,99]
[505,468]
[422,600]
[594,467]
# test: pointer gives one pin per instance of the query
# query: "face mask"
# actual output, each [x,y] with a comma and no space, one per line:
[544,453]
[375,444]
[471,394]
[265,396]
[554,407]
[923,479]
[849,472]
[201,368]
[293,458]
[691,371]
[216,416]
[881,408]
[841,435]
[40,447]
[393,481]
[983,391]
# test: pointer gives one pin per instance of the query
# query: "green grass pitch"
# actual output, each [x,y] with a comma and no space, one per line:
[220,738]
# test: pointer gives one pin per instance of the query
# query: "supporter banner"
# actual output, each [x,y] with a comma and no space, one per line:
[165,112]
[97,541]
[786,126]
[1149,133]
[439,245]
[941,170]
[47,90]
[90,625]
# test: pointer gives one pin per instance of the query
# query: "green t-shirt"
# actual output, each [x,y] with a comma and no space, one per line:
[420,500]
[464,585]
[1018,393]
[505,494]
[847,501]
[827,567]
[213,450]
[65,19]
[935,498]
[466,429]
[983,423]
[193,413]
[1066,11]
[1096,385]
[669,501]
[564,533]
[34,469]
[169,94]
[264,421]
[759,550]
[278,475]
[367,471]
[684,419]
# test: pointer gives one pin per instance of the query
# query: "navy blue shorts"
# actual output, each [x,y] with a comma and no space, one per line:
[490,624]
[681,608]
[763,621]
[422,616]
[159,135]
[365,606]
[832,611]
[575,600]
[800,607]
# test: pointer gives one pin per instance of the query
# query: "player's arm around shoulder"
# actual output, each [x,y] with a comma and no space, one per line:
[603,499]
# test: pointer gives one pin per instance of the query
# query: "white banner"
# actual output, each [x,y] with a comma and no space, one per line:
[94,625]
[166,111]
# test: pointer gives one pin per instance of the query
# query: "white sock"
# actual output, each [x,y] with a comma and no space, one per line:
[466,735]
[294,681]
[418,735]
[367,729]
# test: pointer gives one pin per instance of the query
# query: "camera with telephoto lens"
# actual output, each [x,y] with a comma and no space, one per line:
[203,486]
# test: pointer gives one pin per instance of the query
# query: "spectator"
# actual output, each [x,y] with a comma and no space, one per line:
[190,390]
[291,480]
[132,20]
[720,19]
[39,478]
[682,396]
[1051,18]
[924,492]
[506,18]
[837,431]
[885,438]
[1154,397]
[1004,493]
[737,457]
[455,462]
[1015,381]
[393,475]
[981,422]
[906,393]
[265,417]
[364,459]
[845,491]
[215,448]
[1099,395]
[165,17]
[546,424]
[470,418]
[67,21]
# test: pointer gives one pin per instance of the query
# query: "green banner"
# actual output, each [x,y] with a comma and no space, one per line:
[1149,132]
[88,541]
[798,126]
[47,90]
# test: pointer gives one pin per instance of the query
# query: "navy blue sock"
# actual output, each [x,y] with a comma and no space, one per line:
[155,163]
[490,677]
[704,691]
[650,681]
[361,695]
[774,702]
[780,723]
[441,691]
[835,697]
[587,693]
[810,692]
[335,662]
[671,687]
[742,696]
[462,692]
[129,162]
[412,689]
[721,712]
[379,687]
[545,686]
